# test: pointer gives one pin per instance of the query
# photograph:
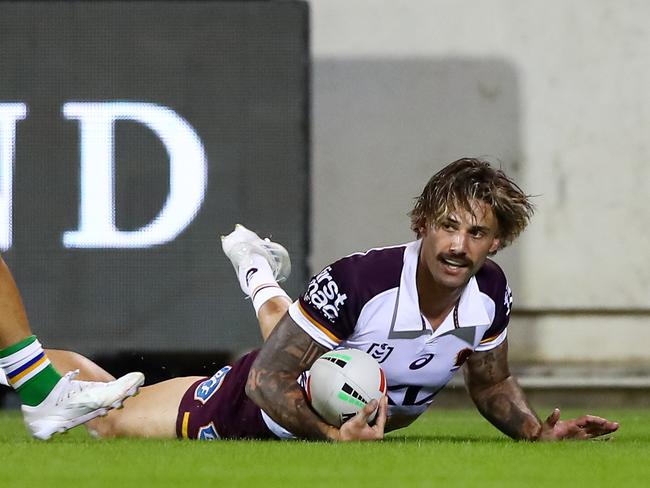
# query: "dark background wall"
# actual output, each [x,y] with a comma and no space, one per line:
[235,74]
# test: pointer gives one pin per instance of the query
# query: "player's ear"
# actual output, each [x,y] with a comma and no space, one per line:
[423,228]
[494,247]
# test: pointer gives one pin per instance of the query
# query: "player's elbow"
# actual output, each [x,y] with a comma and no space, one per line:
[250,388]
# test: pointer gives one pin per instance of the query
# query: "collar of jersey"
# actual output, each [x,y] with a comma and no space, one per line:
[471,309]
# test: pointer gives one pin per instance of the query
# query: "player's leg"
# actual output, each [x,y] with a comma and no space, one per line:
[270,313]
[50,403]
[151,414]
[22,359]
[260,264]
[71,361]
[14,327]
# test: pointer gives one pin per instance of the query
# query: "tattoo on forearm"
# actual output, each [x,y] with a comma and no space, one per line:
[498,396]
[313,352]
[487,362]
[272,379]
[487,368]
[509,412]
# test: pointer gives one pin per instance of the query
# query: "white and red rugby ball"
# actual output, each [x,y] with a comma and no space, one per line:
[342,382]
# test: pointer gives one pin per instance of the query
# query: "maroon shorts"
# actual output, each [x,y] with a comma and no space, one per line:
[218,407]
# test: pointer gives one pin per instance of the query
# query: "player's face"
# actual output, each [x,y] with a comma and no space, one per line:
[454,250]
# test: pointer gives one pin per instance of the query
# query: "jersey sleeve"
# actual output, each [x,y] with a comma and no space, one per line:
[325,311]
[330,308]
[498,291]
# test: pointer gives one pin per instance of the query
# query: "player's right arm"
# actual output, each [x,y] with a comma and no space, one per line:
[273,387]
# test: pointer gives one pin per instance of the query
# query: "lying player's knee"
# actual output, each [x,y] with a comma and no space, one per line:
[107,427]
[104,427]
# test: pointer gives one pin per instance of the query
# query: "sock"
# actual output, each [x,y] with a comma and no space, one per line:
[265,293]
[29,370]
[257,281]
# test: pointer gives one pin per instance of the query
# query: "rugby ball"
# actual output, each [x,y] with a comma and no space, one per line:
[342,382]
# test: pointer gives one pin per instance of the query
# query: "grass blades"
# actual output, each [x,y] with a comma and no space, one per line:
[446,448]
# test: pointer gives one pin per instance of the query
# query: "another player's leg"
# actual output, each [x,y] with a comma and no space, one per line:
[260,264]
[50,403]
[26,366]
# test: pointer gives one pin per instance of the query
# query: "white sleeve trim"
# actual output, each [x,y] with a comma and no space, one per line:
[497,341]
[314,332]
[276,428]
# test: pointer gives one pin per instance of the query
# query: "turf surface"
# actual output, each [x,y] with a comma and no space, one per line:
[444,448]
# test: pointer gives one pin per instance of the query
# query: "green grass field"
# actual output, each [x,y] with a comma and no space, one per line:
[444,448]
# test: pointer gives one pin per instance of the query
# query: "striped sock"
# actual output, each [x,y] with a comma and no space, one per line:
[29,370]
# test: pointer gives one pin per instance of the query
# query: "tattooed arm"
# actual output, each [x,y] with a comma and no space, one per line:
[273,387]
[497,395]
[501,400]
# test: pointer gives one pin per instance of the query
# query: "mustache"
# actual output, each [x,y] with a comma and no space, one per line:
[458,258]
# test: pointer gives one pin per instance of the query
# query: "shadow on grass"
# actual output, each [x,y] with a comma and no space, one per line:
[447,439]
[451,439]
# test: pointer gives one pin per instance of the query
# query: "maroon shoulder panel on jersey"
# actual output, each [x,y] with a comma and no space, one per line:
[492,281]
[335,296]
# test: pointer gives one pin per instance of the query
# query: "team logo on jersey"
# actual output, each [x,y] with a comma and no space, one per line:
[421,362]
[208,433]
[380,352]
[323,294]
[507,300]
[207,388]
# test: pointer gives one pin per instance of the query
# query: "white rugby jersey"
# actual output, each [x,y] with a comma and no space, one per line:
[369,301]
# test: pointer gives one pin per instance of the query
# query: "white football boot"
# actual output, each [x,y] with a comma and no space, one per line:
[73,402]
[241,243]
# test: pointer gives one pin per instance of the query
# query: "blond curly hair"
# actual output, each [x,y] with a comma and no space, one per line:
[467,179]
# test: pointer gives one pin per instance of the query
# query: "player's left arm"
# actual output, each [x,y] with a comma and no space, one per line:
[497,395]
[500,399]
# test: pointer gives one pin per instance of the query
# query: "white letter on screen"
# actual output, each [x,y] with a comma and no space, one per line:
[10,114]
[187,174]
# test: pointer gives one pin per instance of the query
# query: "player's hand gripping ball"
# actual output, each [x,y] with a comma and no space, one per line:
[342,382]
